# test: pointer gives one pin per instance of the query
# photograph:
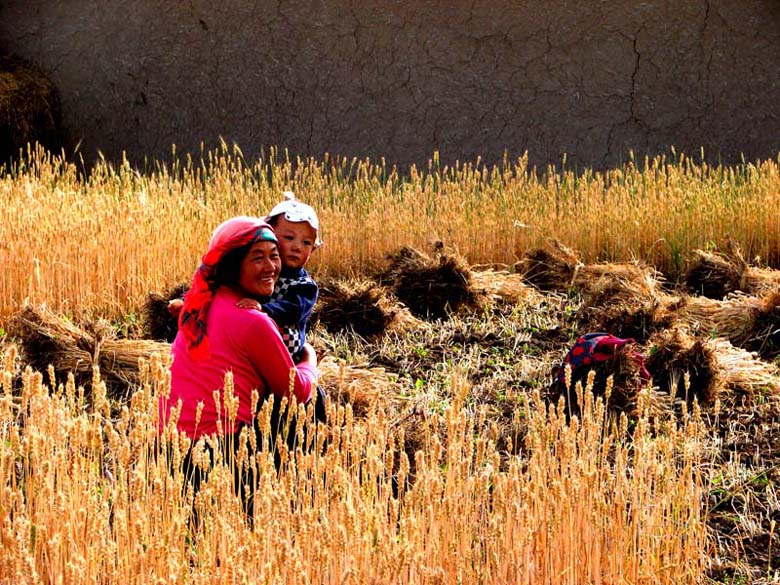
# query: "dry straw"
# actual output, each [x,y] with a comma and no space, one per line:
[361,306]
[747,321]
[48,339]
[716,274]
[432,287]
[556,267]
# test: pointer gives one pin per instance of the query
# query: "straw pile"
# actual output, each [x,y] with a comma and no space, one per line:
[359,385]
[48,339]
[626,315]
[750,322]
[29,108]
[743,374]
[557,268]
[552,268]
[502,286]
[158,322]
[684,366]
[362,306]
[432,288]
[717,274]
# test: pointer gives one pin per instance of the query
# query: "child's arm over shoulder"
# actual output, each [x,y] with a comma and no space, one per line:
[247,303]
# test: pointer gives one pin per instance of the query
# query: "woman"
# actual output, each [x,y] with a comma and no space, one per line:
[216,337]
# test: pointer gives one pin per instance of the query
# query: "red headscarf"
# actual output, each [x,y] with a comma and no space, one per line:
[229,235]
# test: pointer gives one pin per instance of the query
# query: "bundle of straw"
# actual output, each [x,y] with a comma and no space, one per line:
[684,366]
[730,318]
[504,286]
[432,288]
[719,273]
[550,268]
[559,268]
[49,339]
[359,385]
[743,373]
[750,322]
[159,323]
[362,306]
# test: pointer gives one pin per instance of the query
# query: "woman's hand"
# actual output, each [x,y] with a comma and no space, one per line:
[174,307]
[308,355]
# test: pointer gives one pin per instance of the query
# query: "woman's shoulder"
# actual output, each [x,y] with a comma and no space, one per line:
[238,319]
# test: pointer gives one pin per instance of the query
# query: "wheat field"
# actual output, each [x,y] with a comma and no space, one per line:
[88,497]
[81,241]
[91,494]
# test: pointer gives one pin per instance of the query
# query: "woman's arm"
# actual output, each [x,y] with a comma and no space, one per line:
[272,360]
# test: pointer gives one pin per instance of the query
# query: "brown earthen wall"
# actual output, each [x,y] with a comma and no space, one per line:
[589,78]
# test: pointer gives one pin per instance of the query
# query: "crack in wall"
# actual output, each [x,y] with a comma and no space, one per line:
[634,74]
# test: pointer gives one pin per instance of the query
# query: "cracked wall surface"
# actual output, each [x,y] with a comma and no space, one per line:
[592,79]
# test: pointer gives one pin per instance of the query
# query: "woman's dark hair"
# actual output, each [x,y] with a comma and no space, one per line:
[228,270]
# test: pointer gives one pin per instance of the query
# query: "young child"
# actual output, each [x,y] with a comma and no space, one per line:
[290,306]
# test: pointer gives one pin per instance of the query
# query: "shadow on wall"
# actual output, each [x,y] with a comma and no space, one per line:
[29,109]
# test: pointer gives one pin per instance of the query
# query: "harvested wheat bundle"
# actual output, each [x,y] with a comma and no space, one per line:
[359,385]
[362,306]
[505,286]
[750,322]
[118,359]
[559,268]
[765,335]
[432,288]
[48,339]
[684,366]
[29,108]
[624,315]
[720,273]
[635,320]
[729,318]
[158,322]
[619,280]
[743,373]
[550,268]
[714,275]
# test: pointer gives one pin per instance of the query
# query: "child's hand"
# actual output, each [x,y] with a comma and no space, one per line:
[249,304]
[174,307]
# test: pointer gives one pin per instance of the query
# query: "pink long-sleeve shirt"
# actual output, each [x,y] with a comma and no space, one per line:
[243,341]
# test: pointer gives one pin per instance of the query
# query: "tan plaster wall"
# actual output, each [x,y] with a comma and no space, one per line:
[590,78]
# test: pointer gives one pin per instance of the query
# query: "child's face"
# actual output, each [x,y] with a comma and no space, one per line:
[296,242]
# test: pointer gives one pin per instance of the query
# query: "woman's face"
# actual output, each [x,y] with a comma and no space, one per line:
[259,269]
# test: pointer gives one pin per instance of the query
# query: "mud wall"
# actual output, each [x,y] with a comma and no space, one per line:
[591,78]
